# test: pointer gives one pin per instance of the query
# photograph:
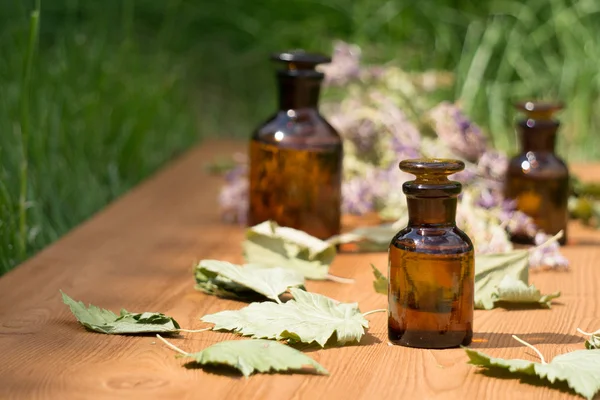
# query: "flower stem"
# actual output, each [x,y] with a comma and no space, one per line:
[172,346]
[374,311]
[532,347]
[549,241]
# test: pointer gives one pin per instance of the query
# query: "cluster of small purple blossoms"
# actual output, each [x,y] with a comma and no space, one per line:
[344,65]
[492,164]
[548,255]
[461,135]
[515,221]
[233,197]
[359,194]
[363,134]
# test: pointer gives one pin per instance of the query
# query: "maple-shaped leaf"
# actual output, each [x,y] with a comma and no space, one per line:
[368,238]
[230,280]
[105,321]
[511,290]
[250,356]
[490,269]
[272,245]
[579,369]
[308,318]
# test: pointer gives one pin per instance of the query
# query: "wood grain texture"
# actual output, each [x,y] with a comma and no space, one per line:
[138,254]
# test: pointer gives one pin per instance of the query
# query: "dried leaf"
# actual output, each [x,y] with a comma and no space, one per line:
[380,284]
[511,290]
[270,245]
[230,280]
[579,369]
[250,356]
[105,321]
[310,317]
[490,269]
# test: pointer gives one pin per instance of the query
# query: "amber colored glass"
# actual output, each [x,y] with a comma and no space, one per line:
[537,178]
[296,156]
[431,264]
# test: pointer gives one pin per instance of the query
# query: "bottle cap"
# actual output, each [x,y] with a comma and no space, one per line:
[539,110]
[431,177]
[300,59]
[424,168]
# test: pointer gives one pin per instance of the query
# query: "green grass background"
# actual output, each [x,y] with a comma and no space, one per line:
[116,88]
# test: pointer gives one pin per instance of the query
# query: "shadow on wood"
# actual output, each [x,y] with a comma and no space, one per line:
[485,340]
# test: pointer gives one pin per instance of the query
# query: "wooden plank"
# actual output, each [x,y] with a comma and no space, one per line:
[138,254]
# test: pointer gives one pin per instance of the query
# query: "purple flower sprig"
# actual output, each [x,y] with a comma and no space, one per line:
[344,66]
[460,134]
[234,196]
[547,253]
[517,222]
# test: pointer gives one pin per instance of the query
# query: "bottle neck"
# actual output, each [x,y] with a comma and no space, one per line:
[437,211]
[298,91]
[538,135]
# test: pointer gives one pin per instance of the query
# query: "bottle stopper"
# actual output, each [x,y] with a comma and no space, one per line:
[539,110]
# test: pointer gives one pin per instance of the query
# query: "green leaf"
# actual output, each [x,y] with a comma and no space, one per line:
[230,280]
[593,343]
[308,318]
[368,238]
[490,269]
[511,290]
[105,321]
[579,369]
[249,356]
[271,245]
[380,284]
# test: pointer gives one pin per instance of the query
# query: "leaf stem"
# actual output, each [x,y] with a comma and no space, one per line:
[374,311]
[172,346]
[339,279]
[194,330]
[532,347]
[587,333]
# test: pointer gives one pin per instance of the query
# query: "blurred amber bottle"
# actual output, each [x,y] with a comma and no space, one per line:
[296,156]
[431,263]
[537,178]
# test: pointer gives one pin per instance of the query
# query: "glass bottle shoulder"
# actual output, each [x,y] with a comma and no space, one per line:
[538,164]
[433,240]
[298,128]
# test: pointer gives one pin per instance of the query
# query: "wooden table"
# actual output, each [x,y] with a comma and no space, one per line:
[138,254]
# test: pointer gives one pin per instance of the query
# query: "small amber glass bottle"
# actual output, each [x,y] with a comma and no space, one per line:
[536,178]
[431,264]
[296,156]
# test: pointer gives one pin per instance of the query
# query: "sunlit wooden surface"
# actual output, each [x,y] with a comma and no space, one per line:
[138,254]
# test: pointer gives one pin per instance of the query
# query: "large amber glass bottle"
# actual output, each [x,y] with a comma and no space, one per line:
[296,156]
[537,178]
[431,264]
